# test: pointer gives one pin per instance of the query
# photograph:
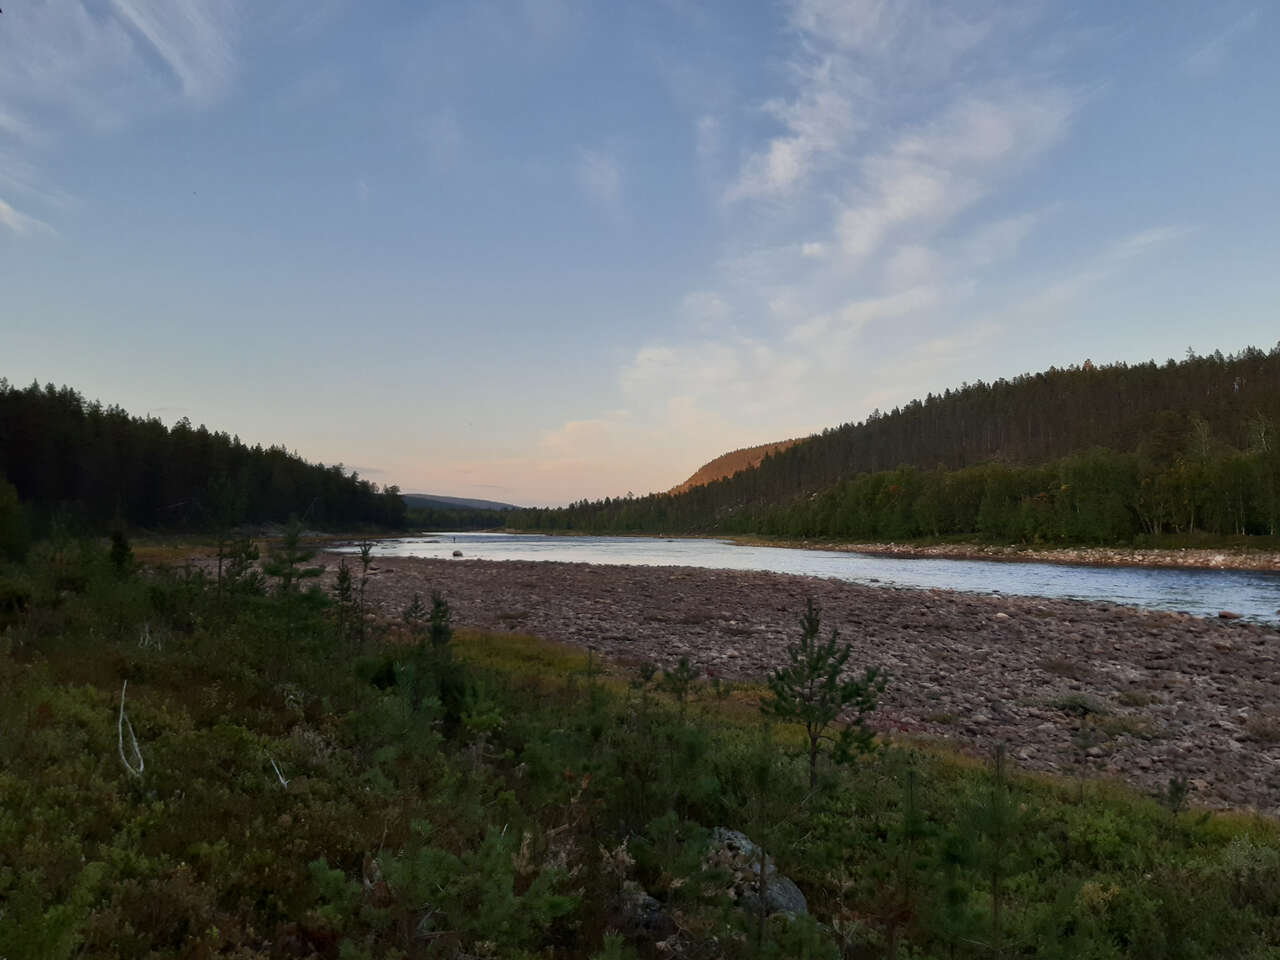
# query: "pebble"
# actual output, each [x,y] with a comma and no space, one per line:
[943,658]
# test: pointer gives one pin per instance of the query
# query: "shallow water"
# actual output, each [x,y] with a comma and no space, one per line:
[1256,595]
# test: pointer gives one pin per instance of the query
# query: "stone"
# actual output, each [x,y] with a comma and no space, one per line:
[938,637]
[643,916]
[1229,615]
[736,852]
[781,895]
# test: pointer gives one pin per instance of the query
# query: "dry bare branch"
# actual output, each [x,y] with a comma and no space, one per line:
[135,768]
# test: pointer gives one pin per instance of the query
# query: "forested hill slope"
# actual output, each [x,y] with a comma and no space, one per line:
[1160,423]
[431,501]
[727,464]
[1035,418]
[97,465]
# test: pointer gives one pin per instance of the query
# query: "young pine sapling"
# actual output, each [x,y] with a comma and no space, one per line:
[811,690]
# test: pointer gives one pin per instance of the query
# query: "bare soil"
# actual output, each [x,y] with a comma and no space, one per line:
[1170,694]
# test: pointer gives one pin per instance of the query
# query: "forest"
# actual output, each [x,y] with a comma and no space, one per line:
[87,465]
[1088,454]
[454,518]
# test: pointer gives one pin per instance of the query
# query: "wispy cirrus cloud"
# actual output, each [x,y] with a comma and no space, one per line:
[866,222]
[192,38]
[21,223]
[1145,241]
[1213,53]
[76,66]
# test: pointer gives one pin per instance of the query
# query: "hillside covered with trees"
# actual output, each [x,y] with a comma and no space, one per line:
[1080,454]
[94,465]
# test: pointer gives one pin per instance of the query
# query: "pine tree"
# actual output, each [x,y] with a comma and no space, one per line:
[811,691]
[285,562]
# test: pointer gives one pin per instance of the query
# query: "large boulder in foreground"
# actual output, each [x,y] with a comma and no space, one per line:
[735,852]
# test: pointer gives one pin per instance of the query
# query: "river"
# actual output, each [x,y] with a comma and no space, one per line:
[1254,594]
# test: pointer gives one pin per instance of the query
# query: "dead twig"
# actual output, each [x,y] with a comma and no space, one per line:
[135,769]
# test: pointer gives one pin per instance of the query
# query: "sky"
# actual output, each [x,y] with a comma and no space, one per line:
[541,250]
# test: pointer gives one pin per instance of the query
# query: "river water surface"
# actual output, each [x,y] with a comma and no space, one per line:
[1256,595]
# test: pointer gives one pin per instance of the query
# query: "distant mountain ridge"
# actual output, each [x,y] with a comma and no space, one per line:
[434,501]
[727,464]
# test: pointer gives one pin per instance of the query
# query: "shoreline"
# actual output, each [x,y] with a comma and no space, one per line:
[1176,695]
[1178,558]
[1182,558]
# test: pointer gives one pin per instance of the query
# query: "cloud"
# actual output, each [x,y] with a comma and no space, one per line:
[193,38]
[708,139]
[933,173]
[21,223]
[1144,241]
[999,239]
[16,128]
[859,223]
[1207,58]
[819,122]
[853,56]
[578,438]
[912,265]
[600,179]
[72,65]
[912,34]
[834,332]
[705,310]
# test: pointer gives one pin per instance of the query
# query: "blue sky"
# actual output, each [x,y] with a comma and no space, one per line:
[544,250]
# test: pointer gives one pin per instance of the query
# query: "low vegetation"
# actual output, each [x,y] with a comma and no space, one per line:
[246,767]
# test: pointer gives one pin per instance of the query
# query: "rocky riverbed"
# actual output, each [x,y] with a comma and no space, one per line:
[1185,558]
[1167,694]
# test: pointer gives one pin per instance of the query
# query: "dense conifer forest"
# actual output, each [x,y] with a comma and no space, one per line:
[92,465]
[1098,454]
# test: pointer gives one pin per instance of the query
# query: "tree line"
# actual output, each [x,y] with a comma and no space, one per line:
[1086,454]
[93,465]
[455,518]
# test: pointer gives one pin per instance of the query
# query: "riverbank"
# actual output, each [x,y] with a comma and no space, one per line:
[1192,558]
[1168,695]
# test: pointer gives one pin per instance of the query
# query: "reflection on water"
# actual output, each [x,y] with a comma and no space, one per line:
[1202,592]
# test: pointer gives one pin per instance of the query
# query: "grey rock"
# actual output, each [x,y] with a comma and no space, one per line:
[781,895]
[643,916]
[735,850]
[939,637]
